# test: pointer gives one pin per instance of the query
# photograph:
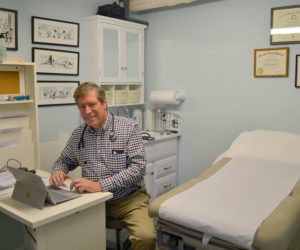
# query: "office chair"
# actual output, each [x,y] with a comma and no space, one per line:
[118,226]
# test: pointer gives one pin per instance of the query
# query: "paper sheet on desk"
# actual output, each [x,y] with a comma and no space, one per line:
[6,180]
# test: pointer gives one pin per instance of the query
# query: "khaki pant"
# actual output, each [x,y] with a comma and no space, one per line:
[133,211]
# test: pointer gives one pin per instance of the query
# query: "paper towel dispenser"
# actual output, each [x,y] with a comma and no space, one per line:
[170,97]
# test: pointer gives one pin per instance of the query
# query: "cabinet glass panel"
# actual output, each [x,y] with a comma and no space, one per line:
[132,54]
[110,52]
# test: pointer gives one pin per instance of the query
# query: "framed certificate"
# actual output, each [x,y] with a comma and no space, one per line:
[297,80]
[285,25]
[271,62]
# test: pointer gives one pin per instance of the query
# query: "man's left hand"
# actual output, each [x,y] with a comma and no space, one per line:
[84,185]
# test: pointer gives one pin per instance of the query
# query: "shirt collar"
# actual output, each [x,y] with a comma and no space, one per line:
[106,126]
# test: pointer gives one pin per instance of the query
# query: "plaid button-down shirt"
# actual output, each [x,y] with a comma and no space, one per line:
[119,166]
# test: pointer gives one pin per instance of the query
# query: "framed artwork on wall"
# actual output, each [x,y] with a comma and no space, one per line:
[285,25]
[9,26]
[57,62]
[54,32]
[56,92]
[297,80]
[271,62]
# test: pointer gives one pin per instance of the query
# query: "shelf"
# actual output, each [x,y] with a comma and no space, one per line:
[16,102]
[19,135]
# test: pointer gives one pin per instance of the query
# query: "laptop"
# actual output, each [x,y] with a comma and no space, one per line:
[31,189]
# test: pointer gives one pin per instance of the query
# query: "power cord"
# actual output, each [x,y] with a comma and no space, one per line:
[20,166]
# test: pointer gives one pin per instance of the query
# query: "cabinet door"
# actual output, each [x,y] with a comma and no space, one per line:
[133,61]
[110,66]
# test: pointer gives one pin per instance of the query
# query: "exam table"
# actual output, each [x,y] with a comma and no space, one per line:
[280,230]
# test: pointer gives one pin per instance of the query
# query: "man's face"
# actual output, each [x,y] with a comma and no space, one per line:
[92,111]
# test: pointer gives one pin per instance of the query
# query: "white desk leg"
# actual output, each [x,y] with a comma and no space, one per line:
[83,230]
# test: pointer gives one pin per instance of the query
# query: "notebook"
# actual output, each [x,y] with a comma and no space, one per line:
[31,189]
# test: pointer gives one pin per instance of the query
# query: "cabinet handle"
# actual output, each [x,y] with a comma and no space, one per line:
[167,186]
[166,168]
[152,173]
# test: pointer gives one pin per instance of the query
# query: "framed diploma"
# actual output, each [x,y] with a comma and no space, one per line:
[285,25]
[272,62]
[297,81]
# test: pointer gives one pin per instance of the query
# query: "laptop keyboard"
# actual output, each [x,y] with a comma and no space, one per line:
[58,196]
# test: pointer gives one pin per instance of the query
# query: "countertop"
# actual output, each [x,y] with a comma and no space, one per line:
[160,137]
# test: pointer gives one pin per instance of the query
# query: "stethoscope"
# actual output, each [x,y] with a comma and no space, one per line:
[112,133]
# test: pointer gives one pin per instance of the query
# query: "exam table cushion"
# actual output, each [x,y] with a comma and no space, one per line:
[279,231]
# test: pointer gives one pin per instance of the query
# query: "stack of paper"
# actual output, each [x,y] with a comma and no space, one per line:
[6,180]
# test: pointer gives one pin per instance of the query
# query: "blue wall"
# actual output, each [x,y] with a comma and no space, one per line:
[207,51]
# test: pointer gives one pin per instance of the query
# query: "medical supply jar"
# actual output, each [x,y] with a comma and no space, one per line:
[137,116]
[148,120]
[159,120]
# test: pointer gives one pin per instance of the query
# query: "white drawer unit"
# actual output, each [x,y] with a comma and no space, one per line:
[164,184]
[165,166]
[161,170]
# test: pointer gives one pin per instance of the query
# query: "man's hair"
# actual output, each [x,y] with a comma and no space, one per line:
[87,87]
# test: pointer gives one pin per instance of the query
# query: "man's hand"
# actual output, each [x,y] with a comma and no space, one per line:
[58,178]
[84,185]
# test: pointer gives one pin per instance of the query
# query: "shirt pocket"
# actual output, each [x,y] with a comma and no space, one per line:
[116,161]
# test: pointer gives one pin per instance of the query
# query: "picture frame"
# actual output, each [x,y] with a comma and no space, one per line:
[56,92]
[54,32]
[285,25]
[271,62]
[297,74]
[56,62]
[9,26]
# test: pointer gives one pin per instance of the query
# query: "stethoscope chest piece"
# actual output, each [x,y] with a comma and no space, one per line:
[112,135]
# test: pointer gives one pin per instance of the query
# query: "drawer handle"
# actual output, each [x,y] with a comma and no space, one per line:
[167,186]
[166,168]
[152,173]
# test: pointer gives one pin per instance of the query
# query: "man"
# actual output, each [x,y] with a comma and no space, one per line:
[110,151]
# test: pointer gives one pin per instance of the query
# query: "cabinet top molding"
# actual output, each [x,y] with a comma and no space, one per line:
[115,21]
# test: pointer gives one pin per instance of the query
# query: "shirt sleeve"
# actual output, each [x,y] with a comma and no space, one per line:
[133,174]
[67,160]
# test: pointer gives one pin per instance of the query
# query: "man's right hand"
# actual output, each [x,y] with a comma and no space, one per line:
[58,178]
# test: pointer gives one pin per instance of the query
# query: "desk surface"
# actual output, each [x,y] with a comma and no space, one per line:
[34,217]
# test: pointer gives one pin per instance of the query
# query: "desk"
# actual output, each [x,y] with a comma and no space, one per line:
[75,224]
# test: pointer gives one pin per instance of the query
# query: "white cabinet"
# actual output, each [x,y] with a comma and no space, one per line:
[115,58]
[19,135]
[161,170]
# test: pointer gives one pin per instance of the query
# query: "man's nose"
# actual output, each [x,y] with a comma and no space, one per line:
[87,109]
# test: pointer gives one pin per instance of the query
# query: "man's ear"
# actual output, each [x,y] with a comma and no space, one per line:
[105,103]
